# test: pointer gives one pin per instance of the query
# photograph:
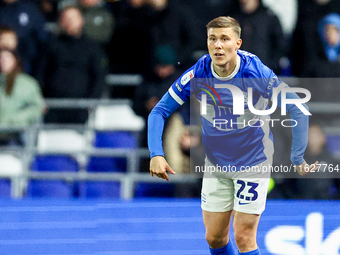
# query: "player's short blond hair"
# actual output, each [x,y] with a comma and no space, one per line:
[224,21]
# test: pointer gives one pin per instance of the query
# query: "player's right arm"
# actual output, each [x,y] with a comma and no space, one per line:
[177,94]
[163,109]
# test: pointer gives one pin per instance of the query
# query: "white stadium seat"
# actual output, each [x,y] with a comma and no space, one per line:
[61,140]
[10,165]
[117,117]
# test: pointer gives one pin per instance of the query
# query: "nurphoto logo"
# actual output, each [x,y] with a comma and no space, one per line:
[241,98]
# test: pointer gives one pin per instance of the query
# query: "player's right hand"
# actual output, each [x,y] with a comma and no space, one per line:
[304,168]
[159,167]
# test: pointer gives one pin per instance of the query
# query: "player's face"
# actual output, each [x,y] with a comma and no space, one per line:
[223,44]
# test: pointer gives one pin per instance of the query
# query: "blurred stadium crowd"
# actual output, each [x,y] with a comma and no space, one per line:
[65,49]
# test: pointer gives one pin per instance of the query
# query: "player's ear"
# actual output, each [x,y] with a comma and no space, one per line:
[238,43]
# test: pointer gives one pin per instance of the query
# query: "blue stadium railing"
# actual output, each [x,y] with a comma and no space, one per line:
[27,153]
[133,174]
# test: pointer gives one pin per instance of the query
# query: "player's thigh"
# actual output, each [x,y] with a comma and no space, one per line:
[217,224]
[217,194]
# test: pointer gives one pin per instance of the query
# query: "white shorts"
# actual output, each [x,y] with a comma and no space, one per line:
[237,191]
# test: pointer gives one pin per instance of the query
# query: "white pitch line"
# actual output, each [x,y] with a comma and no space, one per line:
[47,225]
[163,252]
[152,236]
[150,220]
[47,209]
[149,205]
[48,241]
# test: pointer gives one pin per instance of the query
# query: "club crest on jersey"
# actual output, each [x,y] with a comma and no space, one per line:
[178,87]
[245,95]
[187,77]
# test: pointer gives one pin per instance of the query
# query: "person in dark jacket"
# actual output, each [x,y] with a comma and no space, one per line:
[325,59]
[26,20]
[261,32]
[175,24]
[322,185]
[132,23]
[153,23]
[305,45]
[324,63]
[99,22]
[72,67]
[205,11]
[153,87]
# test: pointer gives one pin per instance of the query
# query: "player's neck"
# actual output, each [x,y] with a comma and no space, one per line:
[227,69]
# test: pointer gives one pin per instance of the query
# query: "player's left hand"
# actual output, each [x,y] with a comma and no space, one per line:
[304,168]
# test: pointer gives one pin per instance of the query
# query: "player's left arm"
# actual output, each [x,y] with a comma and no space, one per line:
[300,135]
[269,81]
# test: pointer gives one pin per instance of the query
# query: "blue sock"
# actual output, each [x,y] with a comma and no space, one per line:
[254,252]
[219,251]
[225,250]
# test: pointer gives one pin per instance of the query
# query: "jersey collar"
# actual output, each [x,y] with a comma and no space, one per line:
[232,75]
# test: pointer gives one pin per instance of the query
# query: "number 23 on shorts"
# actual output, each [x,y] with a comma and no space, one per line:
[252,190]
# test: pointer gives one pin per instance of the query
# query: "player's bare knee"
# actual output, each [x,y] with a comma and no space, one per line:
[244,239]
[241,239]
[216,241]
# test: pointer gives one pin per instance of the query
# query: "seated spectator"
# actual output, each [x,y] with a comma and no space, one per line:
[8,38]
[205,11]
[329,32]
[99,22]
[261,32]
[305,45]
[133,21]
[326,60]
[320,185]
[153,87]
[49,9]
[153,22]
[28,23]
[72,66]
[21,101]
[182,144]
[184,149]
[325,63]
[175,24]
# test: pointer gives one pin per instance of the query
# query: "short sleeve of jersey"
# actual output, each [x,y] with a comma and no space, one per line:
[180,90]
[262,78]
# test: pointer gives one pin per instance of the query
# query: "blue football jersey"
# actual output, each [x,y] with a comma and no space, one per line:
[232,139]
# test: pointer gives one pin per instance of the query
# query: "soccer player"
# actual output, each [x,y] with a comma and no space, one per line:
[232,142]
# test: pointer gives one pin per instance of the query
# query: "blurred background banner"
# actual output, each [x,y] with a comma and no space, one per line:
[300,227]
